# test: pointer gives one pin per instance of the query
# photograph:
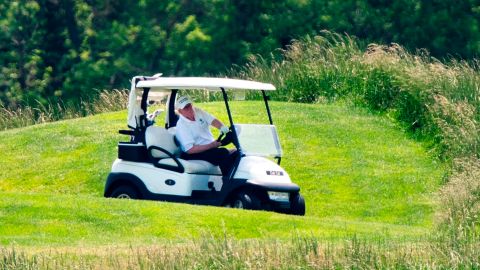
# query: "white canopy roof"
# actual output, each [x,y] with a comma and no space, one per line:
[167,83]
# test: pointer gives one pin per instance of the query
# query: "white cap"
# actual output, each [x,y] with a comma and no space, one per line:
[182,102]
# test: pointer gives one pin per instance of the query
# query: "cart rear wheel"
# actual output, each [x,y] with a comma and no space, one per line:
[125,192]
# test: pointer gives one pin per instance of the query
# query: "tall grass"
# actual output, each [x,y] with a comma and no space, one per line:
[437,100]
[228,253]
[22,116]
[434,100]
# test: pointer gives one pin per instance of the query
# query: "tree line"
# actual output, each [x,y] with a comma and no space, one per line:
[54,50]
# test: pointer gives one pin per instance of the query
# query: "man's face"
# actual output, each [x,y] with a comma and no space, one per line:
[187,112]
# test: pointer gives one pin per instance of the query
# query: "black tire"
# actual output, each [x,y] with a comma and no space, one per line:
[297,205]
[125,192]
[246,200]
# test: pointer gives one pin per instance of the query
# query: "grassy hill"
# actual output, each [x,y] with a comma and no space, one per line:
[359,173]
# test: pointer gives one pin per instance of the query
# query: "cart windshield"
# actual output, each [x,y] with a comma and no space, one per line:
[259,140]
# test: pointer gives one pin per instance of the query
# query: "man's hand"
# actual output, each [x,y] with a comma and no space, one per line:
[215,144]
[224,129]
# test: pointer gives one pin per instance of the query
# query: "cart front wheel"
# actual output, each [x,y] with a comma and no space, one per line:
[297,205]
[246,200]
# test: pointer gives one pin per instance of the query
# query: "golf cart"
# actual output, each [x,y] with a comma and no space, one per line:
[149,167]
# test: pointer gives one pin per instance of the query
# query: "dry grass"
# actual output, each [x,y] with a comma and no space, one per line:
[435,101]
[106,101]
[459,217]
[227,253]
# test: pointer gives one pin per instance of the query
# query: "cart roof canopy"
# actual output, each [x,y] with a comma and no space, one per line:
[160,84]
[202,83]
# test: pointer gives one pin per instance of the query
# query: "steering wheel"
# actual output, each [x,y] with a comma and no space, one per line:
[225,138]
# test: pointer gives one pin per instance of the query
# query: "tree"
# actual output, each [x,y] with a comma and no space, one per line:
[51,49]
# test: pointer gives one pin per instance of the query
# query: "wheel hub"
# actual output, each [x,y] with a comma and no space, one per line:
[123,196]
[238,204]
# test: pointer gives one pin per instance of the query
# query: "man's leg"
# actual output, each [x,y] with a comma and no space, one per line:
[227,163]
[217,156]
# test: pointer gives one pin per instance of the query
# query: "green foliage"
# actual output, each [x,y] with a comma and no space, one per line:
[51,193]
[51,50]
[21,58]
[434,101]
[437,101]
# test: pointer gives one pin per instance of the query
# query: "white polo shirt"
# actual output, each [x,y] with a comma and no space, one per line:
[190,133]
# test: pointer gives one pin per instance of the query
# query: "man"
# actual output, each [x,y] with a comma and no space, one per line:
[196,139]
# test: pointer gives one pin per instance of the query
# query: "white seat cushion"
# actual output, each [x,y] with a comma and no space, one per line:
[158,136]
[193,166]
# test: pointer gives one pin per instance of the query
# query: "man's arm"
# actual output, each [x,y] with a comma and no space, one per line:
[212,120]
[216,123]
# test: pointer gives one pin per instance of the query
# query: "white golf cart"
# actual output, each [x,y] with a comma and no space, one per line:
[149,166]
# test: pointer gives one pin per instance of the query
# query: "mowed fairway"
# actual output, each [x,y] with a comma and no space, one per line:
[359,173]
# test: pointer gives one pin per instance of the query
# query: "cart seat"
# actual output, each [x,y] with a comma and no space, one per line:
[164,139]
[193,166]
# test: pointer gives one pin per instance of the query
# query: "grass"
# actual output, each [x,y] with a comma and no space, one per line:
[359,173]
[227,253]
[369,188]
[25,115]
[435,101]
[38,220]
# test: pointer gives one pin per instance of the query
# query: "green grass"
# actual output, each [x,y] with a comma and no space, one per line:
[359,173]
[436,101]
